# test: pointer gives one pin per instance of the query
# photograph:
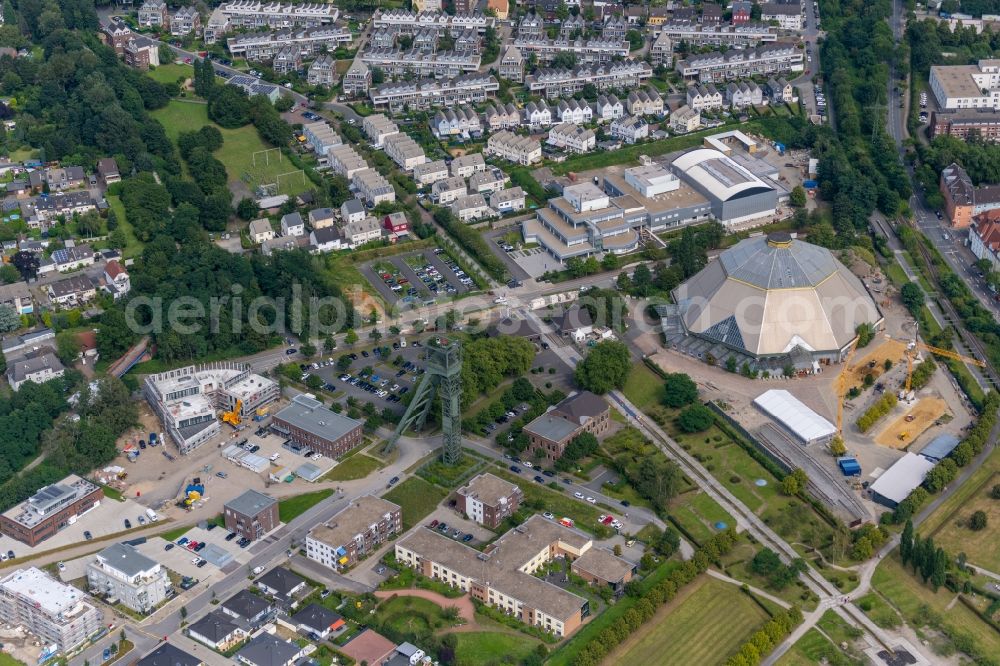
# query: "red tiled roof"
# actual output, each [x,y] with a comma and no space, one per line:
[113,269]
[988,228]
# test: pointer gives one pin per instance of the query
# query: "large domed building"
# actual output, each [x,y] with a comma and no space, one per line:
[771,301]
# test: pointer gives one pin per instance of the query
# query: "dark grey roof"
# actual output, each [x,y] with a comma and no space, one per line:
[169,654]
[352,206]
[21,370]
[246,604]
[778,262]
[292,220]
[315,616]
[310,415]
[126,559]
[574,318]
[582,406]
[250,503]
[266,650]
[326,235]
[280,579]
[216,626]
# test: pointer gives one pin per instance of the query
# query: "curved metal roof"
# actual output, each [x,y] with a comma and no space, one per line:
[719,174]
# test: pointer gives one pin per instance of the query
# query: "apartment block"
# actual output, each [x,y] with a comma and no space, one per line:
[428,93]
[522,150]
[572,138]
[440,64]
[738,36]
[488,500]
[587,51]
[121,572]
[551,432]
[353,533]
[404,151]
[251,515]
[552,83]
[50,509]
[58,614]
[306,42]
[740,64]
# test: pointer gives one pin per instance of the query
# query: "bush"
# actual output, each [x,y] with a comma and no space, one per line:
[695,418]
[977,521]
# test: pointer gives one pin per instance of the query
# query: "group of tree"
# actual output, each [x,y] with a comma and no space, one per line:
[577,267]
[662,278]
[486,362]
[648,600]
[689,252]
[35,421]
[695,417]
[605,368]
[472,242]
[973,444]
[764,640]
[871,415]
[679,390]
[581,446]
[767,564]
[606,307]
[930,561]
[795,482]
[655,478]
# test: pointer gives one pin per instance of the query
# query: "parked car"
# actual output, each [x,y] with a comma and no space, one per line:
[87,535]
[221,475]
[169,546]
[230,536]
[128,524]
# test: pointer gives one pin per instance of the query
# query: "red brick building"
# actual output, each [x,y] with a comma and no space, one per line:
[488,499]
[50,510]
[251,515]
[551,432]
[308,424]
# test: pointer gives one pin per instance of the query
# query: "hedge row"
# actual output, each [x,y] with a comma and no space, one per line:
[762,641]
[961,456]
[594,652]
[922,374]
[876,411]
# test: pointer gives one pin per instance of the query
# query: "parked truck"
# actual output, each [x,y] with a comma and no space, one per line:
[152,515]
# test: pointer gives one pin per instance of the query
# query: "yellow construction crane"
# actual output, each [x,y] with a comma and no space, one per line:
[913,345]
[842,385]
[233,417]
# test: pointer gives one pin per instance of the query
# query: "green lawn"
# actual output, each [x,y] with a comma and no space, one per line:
[240,147]
[7,660]
[176,533]
[643,387]
[356,467]
[291,508]
[417,497]
[698,513]
[171,73]
[412,615]
[132,244]
[489,647]
[693,631]
[921,606]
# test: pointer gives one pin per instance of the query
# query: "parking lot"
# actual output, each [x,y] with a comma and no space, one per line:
[417,278]
[469,532]
[107,518]
[284,460]
[499,241]
[373,371]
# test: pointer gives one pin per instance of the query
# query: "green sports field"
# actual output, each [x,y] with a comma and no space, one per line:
[241,151]
[690,629]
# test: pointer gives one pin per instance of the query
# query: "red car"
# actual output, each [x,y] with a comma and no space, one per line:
[433,524]
[191,545]
[608,520]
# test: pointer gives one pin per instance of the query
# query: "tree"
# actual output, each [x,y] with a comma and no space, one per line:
[9,274]
[977,521]
[865,333]
[795,482]
[837,446]
[307,349]
[913,297]
[26,264]
[679,390]
[695,418]
[351,337]
[605,367]
[797,197]
[67,347]
[9,319]
[246,209]
[906,542]
[284,103]
[995,492]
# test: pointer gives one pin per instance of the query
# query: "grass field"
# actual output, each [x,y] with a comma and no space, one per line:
[238,150]
[417,497]
[698,513]
[488,647]
[291,508]
[356,467]
[688,629]
[412,615]
[132,246]
[643,387]
[981,547]
[7,660]
[171,73]
[921,606]
[175,534]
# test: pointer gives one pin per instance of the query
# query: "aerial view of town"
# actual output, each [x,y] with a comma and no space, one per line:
[499,332]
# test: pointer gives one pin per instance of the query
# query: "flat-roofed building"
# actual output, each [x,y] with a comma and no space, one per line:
[121,572]
[188,399]
[551,432]
[50,509]
[56,613]
[354,532]
[501,576]
[308,424]
[602,567]
[251,514]
[555,82]
[488,499]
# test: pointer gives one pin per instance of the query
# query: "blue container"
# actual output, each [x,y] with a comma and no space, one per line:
[810,184]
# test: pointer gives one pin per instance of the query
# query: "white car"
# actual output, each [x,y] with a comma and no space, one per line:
[591,500]
[578,495]
[548,516]
[195,560]
[528,464]
[602,518]
[274,456]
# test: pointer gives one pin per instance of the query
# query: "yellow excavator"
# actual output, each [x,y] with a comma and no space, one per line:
[233,417]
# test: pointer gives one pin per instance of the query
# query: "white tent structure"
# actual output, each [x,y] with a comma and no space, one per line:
[798,418]
[896,483]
